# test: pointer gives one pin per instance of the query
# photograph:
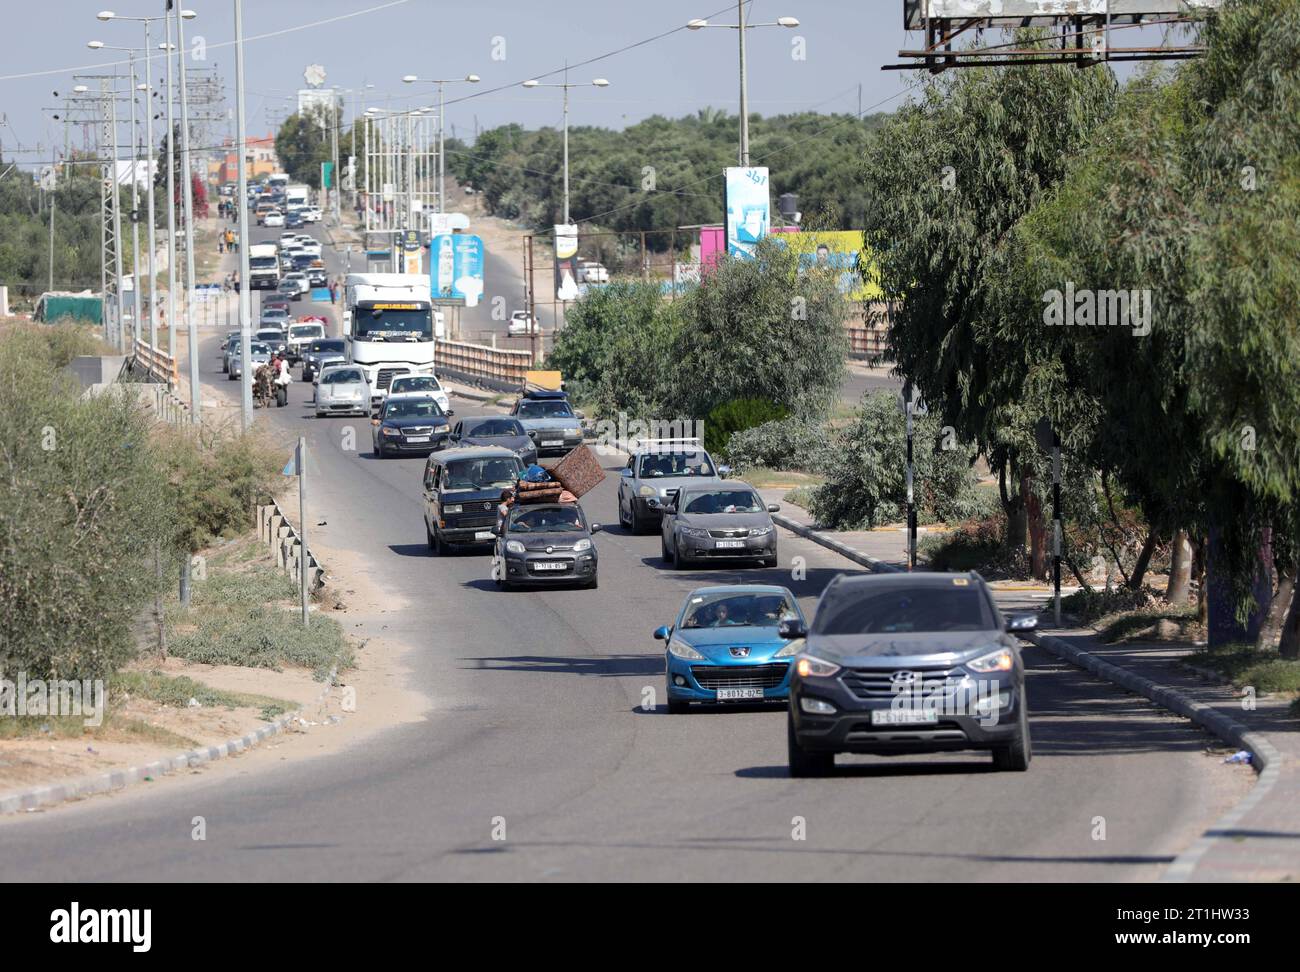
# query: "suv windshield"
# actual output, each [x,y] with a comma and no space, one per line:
[731,608]
[724,501]
[331,345]
[544,410]
[905,610]
[501,426]
[481,473]
[676,464]
[414,408]
[547,520]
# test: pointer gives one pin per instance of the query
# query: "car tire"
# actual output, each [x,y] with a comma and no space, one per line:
[678,708]
[1015,755]
[595,583]
[663,550]
[680,562]
[379,451]
[439,545]
[428,536]
[638,525]
[225,368]
[803,763]
[768,561]
[230,375]
[626,524]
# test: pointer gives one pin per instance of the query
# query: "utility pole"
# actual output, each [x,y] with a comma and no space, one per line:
[334,146]
[136,282]
[245,297]
[187,179]
[117,219]
[53,182]
[171,189]
[911,501]
[149,201]
[744,88]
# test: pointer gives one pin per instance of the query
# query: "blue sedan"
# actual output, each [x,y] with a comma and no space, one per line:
[724,646]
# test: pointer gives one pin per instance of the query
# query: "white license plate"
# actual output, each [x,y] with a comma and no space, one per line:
[417,438]
[730,544]
[484,535]
[552,442]
[903,717]
[737,694]
[550,566]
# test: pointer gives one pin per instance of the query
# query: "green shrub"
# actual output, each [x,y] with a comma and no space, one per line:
[736,416]
[788,443]
[866,484]
[1093,605]
[1242,665]
[80,514]
[978,545]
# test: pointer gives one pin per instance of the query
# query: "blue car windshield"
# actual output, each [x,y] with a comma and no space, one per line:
[909,610]
[726,609]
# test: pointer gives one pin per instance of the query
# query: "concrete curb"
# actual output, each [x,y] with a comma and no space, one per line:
[46,796]
[844,550]
[1267,760]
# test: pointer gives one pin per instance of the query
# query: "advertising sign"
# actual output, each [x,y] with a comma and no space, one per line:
[456,268]
[566,262]
[840,251]
[749,209]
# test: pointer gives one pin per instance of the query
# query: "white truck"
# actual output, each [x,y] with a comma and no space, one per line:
[390,325]
[296,195]
[263,266]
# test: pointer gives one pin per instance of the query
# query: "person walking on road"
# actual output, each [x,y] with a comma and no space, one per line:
[334,291]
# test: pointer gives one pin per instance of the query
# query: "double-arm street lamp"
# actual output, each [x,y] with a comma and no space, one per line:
[442,158]
[740,27]
[566,85]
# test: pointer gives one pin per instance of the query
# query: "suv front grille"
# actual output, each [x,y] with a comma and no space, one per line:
[746,676]
[878,683]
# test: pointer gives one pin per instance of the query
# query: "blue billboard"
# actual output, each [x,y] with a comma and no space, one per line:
[749,210]
[456,267]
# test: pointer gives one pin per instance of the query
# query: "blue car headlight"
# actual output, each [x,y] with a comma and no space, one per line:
[681,649]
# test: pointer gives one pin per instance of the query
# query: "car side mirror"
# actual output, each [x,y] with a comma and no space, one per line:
[774,507]
[792,628]
[451,412]
[595,528]
[1022,622]
[724,472]
[626,472]
[579,415]
[662,633]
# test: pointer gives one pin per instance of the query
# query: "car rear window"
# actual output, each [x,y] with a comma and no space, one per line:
[896,609]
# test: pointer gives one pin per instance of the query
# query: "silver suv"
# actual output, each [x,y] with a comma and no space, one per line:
[655,471]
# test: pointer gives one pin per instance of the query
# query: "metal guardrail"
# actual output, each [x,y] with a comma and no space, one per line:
[482,362]
[276,530]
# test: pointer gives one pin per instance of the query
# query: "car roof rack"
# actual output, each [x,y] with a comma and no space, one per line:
[545,393]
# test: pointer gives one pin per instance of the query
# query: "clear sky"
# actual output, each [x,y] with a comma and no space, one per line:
[843,44]
[825,64]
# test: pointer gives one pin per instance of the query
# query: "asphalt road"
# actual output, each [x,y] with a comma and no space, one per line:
[536,721]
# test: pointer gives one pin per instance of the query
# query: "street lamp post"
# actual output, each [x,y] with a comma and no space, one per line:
[187,180]
[442,155]
[740,26]
[245,297]
[566,85]
[105,16]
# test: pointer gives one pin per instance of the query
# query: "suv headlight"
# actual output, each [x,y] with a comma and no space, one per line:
[811,666]
[759,531]
[682,650]
[647,491]
[697,532]
[791,648]
[581,545]
[1001,660]
[514,546]
[456,508]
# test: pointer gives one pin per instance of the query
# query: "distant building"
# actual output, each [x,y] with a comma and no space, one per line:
[261,159]
[311,99]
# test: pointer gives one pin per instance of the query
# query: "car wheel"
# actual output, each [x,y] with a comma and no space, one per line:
[439,545]
[225,368]
[595,583]
[664,551]
[679,561]
[379,451]
[1015,755]
[803,763]
[678,708]
[230,375]
[625,522]
[428,536]
[638,525]
[768,561]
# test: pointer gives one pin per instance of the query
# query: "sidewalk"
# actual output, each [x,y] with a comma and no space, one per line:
[1259,840]
[883,550]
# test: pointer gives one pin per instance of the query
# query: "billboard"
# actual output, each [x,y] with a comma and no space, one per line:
[840,251]
[566,262]
[456,267]
[749,209]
